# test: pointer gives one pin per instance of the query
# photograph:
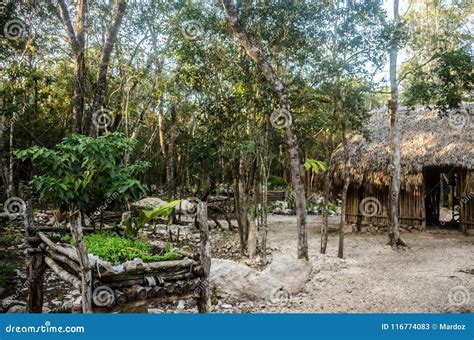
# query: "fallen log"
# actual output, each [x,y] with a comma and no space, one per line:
[73,265]
[69,252]
[62,273]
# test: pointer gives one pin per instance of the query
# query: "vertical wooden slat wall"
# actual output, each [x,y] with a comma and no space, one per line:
[411,205]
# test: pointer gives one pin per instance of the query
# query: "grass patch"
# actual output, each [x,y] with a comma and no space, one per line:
[7,271]
[116,249]
[9,237]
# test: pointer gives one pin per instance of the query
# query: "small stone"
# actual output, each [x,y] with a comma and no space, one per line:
[2,290]
[180,305]
[226,306]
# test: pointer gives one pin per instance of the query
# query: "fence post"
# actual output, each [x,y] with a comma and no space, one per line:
[36,266]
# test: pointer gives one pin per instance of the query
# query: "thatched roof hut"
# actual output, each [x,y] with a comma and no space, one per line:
[433,148]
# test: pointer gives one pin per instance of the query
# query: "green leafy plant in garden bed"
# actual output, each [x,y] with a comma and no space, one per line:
[134,224]
[116,249]
[7,271]
[86,173]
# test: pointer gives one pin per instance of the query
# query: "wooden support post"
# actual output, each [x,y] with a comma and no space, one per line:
[36,266]
[86,274]
[204,301]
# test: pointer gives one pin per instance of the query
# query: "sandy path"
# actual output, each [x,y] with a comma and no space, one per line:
[373,277]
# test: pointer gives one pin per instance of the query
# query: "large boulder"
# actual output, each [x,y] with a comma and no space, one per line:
[284,277]
[149,203]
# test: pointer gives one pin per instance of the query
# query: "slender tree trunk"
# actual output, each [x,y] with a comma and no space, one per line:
[394,167]
[76,35]
[325,217]
[10,158]
[170,156]
[36,266]
[86,274]
[252,225]
[264,212]
[294,158]
[204,302]
[243,204]
[100,87]
[238,214]
[340,252]
[345,187]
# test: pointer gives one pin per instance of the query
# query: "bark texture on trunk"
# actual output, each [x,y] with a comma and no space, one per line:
[394,135]
[257,56]
[36,266]
[76,35]
[345,187]
[170,156]
[252,239]
[204,302]
[325,217]
[86,274]
[100,87]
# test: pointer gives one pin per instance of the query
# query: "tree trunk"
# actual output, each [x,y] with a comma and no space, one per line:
[325,217]
[264,211]
[394,167]
[86,274]
[100,87]
[238,212]
[170,156]
[347,164]
[36,266]
[204,303]
[252,227]
[340,252]
[77,40]
[10,158]
[242,215]
[294,158]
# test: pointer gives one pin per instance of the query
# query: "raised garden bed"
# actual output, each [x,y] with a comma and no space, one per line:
[120,275]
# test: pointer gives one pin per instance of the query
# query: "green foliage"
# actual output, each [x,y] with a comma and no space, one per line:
[9,237]
[134,224]
[315,166]
[276,183]
[445,83]
[316,207]
[7,270]
[117,249]
[83,172]
[280,208]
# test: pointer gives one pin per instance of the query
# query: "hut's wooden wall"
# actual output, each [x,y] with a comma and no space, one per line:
[412,211]
[412,204]
[466,216]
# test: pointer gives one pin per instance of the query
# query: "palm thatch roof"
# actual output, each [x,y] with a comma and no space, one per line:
[427,139]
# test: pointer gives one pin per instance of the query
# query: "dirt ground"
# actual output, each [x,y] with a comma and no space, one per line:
[435,274]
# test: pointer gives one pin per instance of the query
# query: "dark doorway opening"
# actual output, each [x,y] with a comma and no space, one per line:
[442,198]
